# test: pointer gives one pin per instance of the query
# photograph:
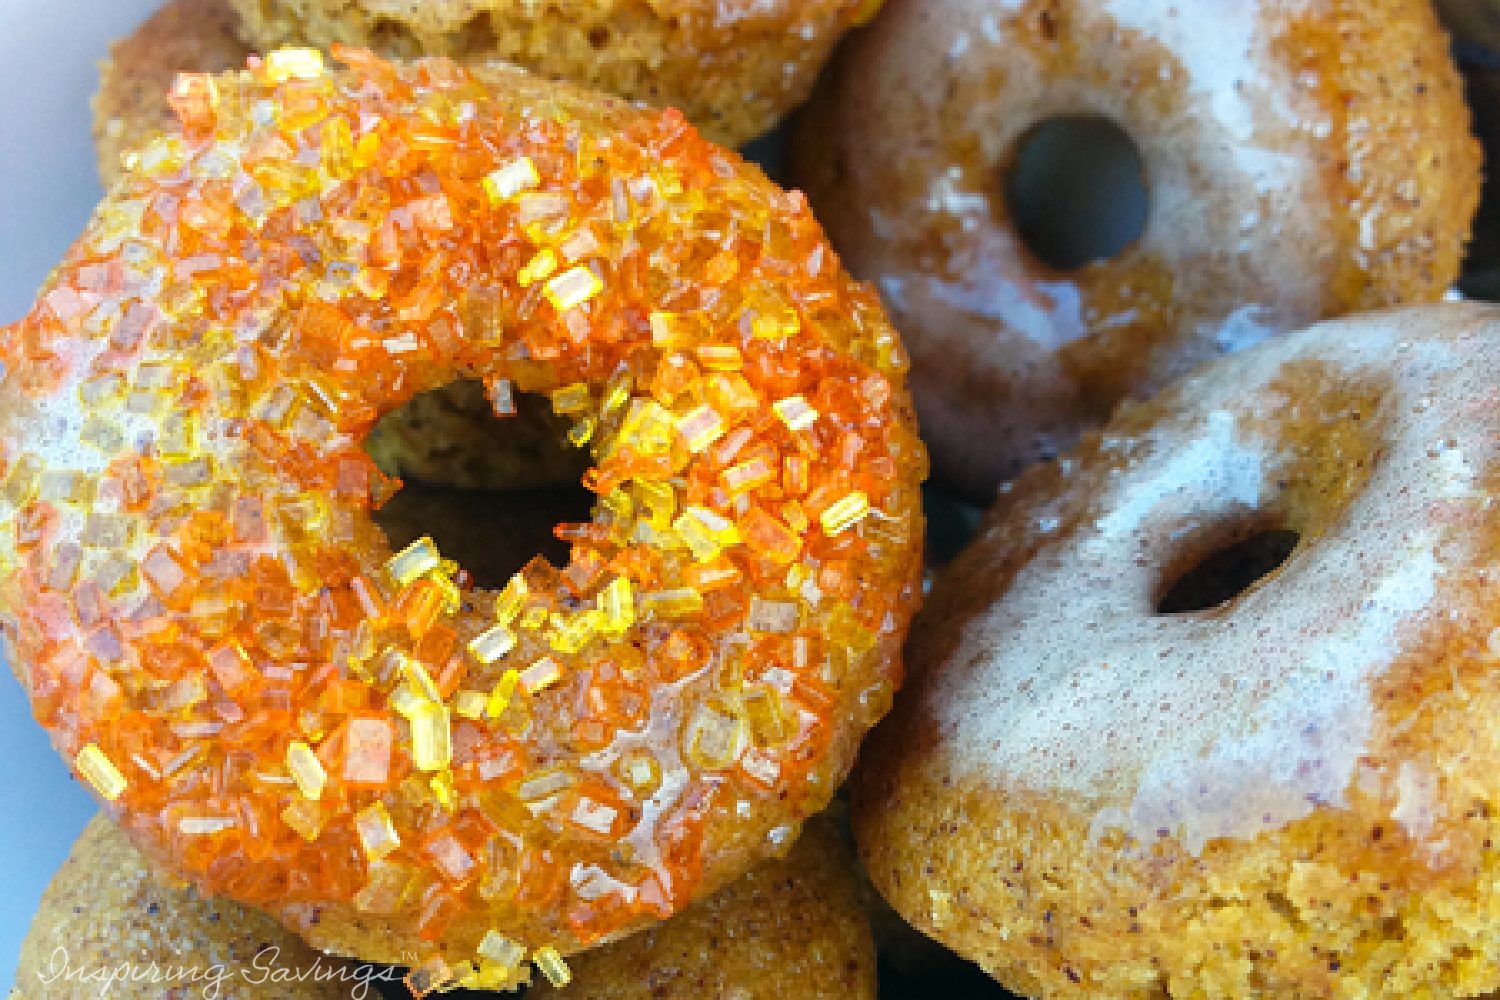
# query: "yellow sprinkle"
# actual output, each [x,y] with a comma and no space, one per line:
[503,691]
[795,413]
[407,702]
[705,532]
[377,834]
[647,427]
[617,601]
[417,559]
[572,288]
[550,961]
[443,790]
[470,704]
[778,325]
[420,680]
[541,675]
[294,64]
[98,770]
[640,770]
[672,329]
[700,428]
[574,398]
[539,268]
[495,978]
[619,504]
[574,632]
[713,738]
[307,770]
[616,392]
[511,600]
[676,603]
[510,180]
[22,484]
[501,950]
[845,514]
[431,738]
[304,817]
[452,596]
[493,643]
[338,147]
[582,432]
[795,517]
[660,499]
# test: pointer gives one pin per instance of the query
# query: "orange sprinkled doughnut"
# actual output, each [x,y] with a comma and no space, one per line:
[1125,772]
[1275,193]
[219,638]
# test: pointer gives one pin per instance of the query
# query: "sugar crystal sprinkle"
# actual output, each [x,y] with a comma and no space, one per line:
[213,613]
[552,965]
[99,771]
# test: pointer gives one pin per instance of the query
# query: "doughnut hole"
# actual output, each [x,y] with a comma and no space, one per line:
[1219,564]
[489,490]
[1075,188]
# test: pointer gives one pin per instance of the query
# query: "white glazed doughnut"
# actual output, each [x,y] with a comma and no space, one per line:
[1277,192]
[1292,792]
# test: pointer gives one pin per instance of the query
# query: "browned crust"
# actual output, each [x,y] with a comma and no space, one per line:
[196,36]
[791,929]
[733,69]
[1411,200]
[106,912]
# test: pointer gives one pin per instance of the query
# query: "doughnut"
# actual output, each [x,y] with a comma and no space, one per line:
[110,925]
[1115,776]
[395,763]
[1274,194]
[791,929]
[733,68]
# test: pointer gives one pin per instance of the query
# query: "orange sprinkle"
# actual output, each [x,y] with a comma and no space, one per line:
[209,514]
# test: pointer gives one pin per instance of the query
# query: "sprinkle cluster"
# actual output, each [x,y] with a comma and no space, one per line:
[217,635]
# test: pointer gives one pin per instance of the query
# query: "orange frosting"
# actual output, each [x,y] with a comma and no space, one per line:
[214,631]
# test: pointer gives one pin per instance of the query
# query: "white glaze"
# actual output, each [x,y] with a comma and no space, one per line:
[1223,723]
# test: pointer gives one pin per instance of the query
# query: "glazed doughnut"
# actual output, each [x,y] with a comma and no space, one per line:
[1096,789]
[733,68]
[213,630]
[791,929]
[1274,194]
[110,925]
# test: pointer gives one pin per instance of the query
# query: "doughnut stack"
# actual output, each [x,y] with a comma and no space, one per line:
[1203,708]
